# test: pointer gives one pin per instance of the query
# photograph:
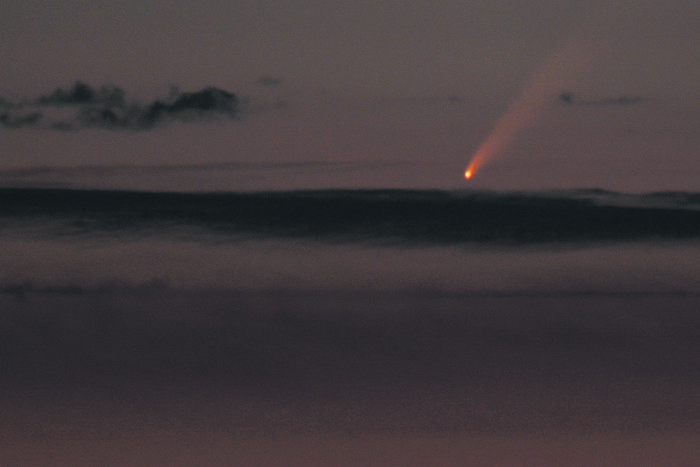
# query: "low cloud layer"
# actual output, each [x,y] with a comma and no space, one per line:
[83,106]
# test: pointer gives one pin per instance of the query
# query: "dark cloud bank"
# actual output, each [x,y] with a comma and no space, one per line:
[83,106]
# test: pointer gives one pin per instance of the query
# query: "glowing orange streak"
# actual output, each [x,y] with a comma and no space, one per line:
[564,64]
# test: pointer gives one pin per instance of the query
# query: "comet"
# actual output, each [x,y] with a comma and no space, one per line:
[564,66]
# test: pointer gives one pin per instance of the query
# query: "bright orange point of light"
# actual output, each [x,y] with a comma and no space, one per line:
[468,174]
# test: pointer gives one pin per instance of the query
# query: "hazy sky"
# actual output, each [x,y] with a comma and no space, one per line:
[361,47]
[368,80]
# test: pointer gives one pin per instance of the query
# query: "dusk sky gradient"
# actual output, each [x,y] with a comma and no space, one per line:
[475,323]
[403,82]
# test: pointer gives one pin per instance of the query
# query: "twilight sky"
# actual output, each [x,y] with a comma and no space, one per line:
[349,94]
[406,82]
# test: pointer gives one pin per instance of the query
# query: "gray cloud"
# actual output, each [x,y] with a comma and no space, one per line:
[269,81]
[570,99]
[83,106]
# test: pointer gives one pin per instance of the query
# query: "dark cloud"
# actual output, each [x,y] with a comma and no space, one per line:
[8,120]
[80,93]
[569,99]
[269,81]
[83,106]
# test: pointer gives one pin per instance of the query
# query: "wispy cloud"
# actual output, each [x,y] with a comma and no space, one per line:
[570,99]
[83,106]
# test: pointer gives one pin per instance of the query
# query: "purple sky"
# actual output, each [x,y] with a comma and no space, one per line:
[407,82]
[374,93]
